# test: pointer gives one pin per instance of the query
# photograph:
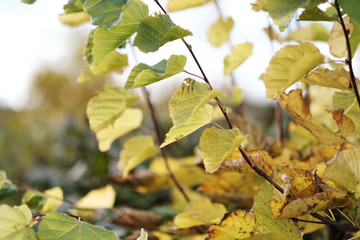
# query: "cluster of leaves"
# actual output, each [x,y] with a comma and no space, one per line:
[281,190]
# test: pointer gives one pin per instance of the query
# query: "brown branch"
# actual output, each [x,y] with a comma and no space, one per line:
[159,138]
[247,158]
[348,46]
[338,225]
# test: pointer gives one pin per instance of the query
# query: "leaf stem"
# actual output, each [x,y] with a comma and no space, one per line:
[160,139]
[192,74]
[348,46]
[247,158]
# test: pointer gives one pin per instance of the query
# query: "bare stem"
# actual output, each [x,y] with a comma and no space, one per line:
[192,74]
[348,46]
[159,138]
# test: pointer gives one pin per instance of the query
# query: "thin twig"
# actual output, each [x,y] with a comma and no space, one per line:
[247,158]
[159,138]
[338,225]
[217,125]
[193,74]
[348,46]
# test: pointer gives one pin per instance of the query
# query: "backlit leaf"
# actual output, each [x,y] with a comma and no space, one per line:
[351,7]
[343,100]
[99,198]
[219,32]
[200,212]
[136,150]
[312,32]
[74,19]
[315,14]
[59,226]
[129,120]
[299,111]
[188,109]
[54,198]
[239,54]
[355,36]
[337,42]
[176,5]
[105,41]
[230,187]
[306,195]
[288,65]
[235,225]
[281,11]
[217,144]
[107,106]
[104,13]
[112,62]
[344,170]
[142,74]
[73,6]
[270,228]
[154,31]
[337,78]
[6,186]
[15,223]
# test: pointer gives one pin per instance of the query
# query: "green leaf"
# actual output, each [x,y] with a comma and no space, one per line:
[28,1]
[129,120]
[15,223]
[351,7]
[88,48]
[344,170]
[112,62]
[343,100]
[288,65]
[312,32]
[176,5]
[6,186]
[74,19]
[281,11]
[219,32]
[33,199]
[217,144]
[315,14]
[54,198]
[107,106]
[136,150]
[270,228]
[143,235]
[105,41]
[355,36]
[154,31]
[61,227]
[104,13]
[73,6]
[188,109]
[142,74]
[239,54]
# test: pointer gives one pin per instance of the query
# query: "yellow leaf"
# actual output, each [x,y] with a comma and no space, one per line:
[225,187]
[299,111]
[136,150]
[238,55]
[54,198]
[344,170]
[305,195]
[74,19]
[288,65]
[176,5]
[238,224]
[99,198]
[338,78]
[312,32]
[337,41]
[219,31]
[200,212]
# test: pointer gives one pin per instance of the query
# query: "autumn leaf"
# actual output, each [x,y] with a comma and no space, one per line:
[299,111]
[230,187]
[135,218]
[337,41]
[74,19]
[238,224]
[200,212]
[219,32]
[343,100]
[288,65]
[177,5]
[238,55]
[312,32]
[99,198]
[217,144]
[307,195]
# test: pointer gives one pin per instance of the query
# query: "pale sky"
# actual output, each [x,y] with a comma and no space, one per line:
[32,36]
